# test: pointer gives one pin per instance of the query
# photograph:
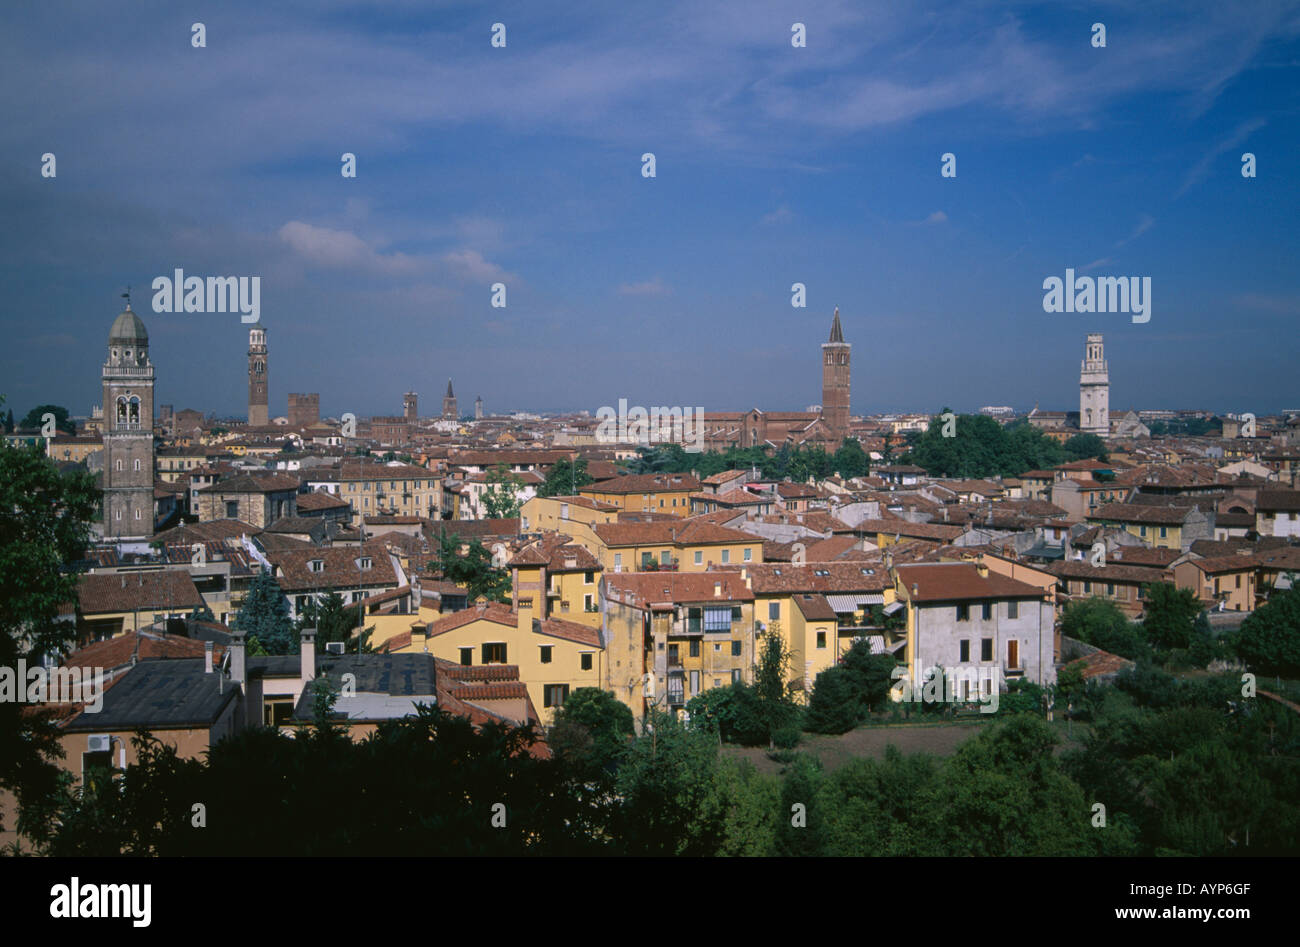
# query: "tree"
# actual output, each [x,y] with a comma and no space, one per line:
[851,460]
[34,419]
[776,709]
[592,728]
[566,478]
[836,704]
[1085,446]
[662,458]
[501,498]
[264,617]
[1269,639]
[872,673]
[1169,615]
[45,520]
[1100,623]
[9,422]
[473,570]
[334,621]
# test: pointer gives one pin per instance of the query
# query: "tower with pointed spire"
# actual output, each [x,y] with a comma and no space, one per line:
[835,381]
[128,378]
[449,412]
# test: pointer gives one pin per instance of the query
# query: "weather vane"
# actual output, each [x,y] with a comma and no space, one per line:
[127,295]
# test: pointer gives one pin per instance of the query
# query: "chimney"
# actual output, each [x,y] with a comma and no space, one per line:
[308,654]
[207,657]
[419,636]
[237,671]
[717,590]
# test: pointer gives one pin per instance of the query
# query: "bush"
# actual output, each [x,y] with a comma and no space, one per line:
[786,738]
[734,712]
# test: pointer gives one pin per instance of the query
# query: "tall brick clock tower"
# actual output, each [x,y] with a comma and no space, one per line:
[835,382]
[257,413]
[128,431]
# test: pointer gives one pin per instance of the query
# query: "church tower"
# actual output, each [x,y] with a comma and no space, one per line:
[1094,389]
[128,431]
[835,382]
[449,412]
[411,406]
[257,414]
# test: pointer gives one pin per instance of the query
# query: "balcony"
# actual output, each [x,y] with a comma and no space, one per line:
[684,626]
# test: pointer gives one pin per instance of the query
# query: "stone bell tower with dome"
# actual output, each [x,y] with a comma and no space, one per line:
[128,377]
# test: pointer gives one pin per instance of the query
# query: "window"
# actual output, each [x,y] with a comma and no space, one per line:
[695,648]
[963,612]
[1013,609]
[1142,591]
[774,611]
[546,653]
[699,557]
[587,577]
[735,649]
[1143,530]
[1164,532]
[726,556]
[821,639]
[618,562]
[986,649]
[316,565]
[554,695]
[965,650]
[1087,588]
[585,657]
[735,675]
[137,514]
[672,655]
[1013,655]
[232,509]
[137,464]
[749,554]
[665,558]
[717,619]
[647,558]
[494,653]
[987,611]
[587,604]
[1110,589]
[364,563]
[466,656]
[1238,581]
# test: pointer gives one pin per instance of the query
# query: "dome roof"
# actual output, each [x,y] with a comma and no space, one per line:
[128,328]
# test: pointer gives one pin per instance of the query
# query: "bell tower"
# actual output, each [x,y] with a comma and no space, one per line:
[835,381]
[1094,389]
[257,401]
[128,378]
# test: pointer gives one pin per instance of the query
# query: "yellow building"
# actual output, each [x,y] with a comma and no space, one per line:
[821,608]
[692,546]
[560,577]
[647,493]
[541,513]
[671,636]
[400,489]
[553,657]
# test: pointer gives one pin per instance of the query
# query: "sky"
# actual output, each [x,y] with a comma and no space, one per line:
[522,165]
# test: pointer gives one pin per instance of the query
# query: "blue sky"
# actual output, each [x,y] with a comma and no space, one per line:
[774,165]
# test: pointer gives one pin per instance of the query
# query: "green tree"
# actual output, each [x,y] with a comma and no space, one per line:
[872,673]
[264,617]
[1085,446]
[836,703]
[44,523]
[34,419]
[1269,638]
[851,460]
[776,709]
[501,498]
[1100,623]
[592,728]
[472,569]
[1169,615]
[566,478]
[334,621]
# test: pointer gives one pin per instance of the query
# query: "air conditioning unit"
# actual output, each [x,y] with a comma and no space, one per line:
[99,743]
[334,647]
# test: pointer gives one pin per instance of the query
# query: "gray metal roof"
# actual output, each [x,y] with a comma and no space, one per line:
[161,694]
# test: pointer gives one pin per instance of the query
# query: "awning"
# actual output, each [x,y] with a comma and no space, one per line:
[851,603]
[893,607]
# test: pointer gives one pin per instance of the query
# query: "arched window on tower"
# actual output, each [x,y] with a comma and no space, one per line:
[118,465]
[121,410]
[133,411]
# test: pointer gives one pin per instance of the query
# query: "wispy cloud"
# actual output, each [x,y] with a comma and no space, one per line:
[1198,170]
[1145,223]
[781,215]
[654,287]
